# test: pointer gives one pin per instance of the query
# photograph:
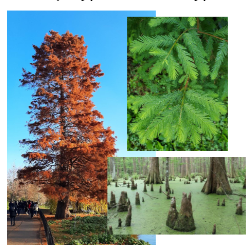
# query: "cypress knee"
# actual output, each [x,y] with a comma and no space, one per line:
[214,229]
[172,214]
[137,199]
[185,221]
[223,203]
[145,188]
[239,210]
[119,222]
[110,231]
[128,218]
[123,203]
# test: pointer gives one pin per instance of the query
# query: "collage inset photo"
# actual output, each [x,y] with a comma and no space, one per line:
[177,83]
[177,195]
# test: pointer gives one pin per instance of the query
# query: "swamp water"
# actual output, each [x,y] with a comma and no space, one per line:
[150,216]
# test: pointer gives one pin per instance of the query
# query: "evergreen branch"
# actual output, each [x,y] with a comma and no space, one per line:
[210,105]
[212,35]
[177,41]
[187,62]
[200,119]
[196,49]
[223,32]
[168,99]
[221,54]
[145,43]
[180,116]
[161,20]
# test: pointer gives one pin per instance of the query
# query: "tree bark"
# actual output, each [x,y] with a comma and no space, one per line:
[145,167]
[62,210]
[217,181]
[167,174]
[154,173]
[134,165]
[139,165]
[233,172]
[187,160]
[124,165]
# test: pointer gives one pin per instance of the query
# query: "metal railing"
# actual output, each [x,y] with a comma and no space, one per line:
[48,233]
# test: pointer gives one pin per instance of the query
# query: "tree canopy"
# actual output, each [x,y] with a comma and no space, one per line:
[69,146]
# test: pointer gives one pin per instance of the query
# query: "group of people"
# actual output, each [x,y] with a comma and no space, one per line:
[15,208]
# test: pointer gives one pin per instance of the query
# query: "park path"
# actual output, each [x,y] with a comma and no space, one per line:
[25,232]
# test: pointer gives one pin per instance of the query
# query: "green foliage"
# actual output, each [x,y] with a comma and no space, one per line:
[176,116]
[52,204]
[108,239]
[93,231]
[177,85]
[241,173]
[135,176]
[192,175]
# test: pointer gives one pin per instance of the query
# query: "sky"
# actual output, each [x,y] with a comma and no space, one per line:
[105,34]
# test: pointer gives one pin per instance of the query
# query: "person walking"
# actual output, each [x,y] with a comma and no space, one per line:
[36,208]
[18,208]
[26,207]
[29,206]
[31,209]
[12,213]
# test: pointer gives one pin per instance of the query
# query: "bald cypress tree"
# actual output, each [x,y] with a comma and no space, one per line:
[217,181]
[69,147]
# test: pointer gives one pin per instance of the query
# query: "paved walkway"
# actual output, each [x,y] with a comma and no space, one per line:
[25,232]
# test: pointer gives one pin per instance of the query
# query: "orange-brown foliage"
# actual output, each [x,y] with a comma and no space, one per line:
[71,146]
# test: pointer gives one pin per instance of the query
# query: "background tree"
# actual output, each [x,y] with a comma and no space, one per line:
[167,174]
[217,181]
[154,173]
[69,146]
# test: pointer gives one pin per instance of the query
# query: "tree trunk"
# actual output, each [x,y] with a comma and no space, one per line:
[172,167]
[217,181]
[62,210]
[139,165]
[113,169]
[124,165]
[204,168]
[145,167]
[154,173]
[134,165]
[228,166]
[233,173]
[167,174]
[187,160]
[184,167]
[192,164]
[162,163]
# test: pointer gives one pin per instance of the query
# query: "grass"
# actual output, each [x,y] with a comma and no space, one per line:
[150,216]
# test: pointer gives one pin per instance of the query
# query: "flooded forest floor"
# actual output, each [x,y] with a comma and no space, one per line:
[150,216]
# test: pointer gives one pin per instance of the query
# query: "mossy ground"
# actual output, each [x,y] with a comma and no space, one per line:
[150,217]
